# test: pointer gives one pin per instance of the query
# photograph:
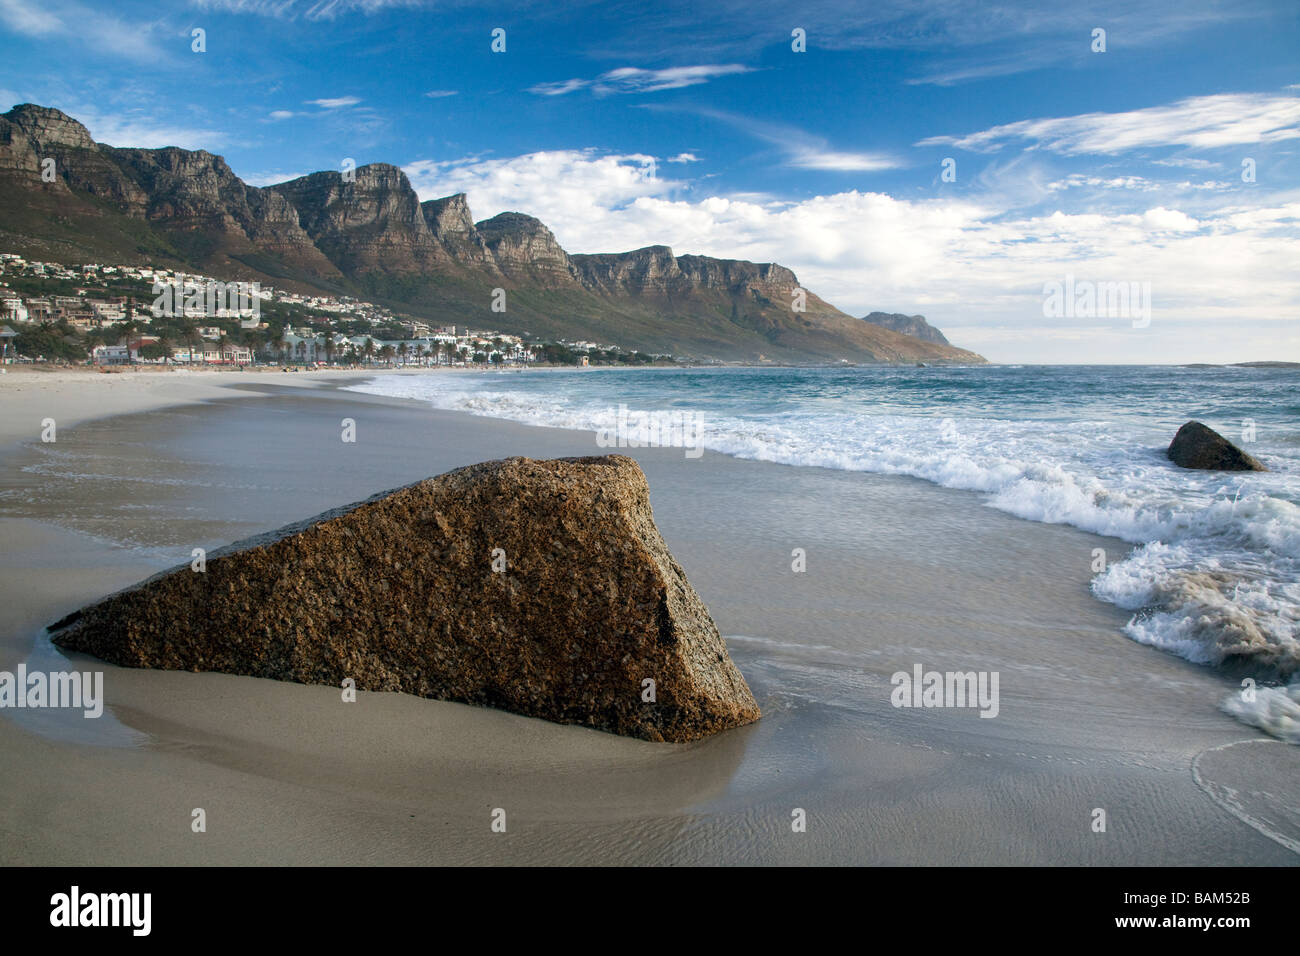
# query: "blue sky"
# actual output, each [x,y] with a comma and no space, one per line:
[622,125]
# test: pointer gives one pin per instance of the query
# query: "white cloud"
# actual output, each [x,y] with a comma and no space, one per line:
[281,114]
[1078,180]
[1201,122]
[1161,219]
[130,128]
[335,103]
[1186,163]
[632,79]
[440,94]
[269,179]
[810,158]
[684,158]
[562,186]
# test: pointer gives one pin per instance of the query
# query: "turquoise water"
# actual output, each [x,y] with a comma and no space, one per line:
[1214,573]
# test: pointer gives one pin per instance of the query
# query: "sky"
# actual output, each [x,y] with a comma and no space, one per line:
[978,163]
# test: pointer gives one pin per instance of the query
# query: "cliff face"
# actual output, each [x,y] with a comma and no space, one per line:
[452,227]
[50,127]
[374,224]
[370,235]
[913,325]
[30,135]
[191,194]
[526,251]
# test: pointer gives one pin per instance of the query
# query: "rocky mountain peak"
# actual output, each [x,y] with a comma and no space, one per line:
[524,249]
[913,325]
[449,217]
[50,127]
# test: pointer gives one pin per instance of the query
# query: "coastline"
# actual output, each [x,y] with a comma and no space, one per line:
[1088,718]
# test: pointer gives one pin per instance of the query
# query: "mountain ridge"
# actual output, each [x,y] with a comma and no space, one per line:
[369,234]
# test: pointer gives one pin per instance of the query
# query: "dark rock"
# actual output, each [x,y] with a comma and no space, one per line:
[1198,446]
[399,593]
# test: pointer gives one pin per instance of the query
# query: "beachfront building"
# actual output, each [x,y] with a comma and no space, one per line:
[39,310]
[300,348]
[110,355]
[13,309]
[212,353]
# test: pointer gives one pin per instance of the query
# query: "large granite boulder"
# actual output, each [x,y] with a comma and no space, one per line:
[1199,446]
[538,587]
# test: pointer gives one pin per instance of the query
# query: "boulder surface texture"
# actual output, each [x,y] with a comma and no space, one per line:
[538,587]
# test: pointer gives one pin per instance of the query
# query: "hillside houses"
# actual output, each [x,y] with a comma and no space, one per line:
[92,305]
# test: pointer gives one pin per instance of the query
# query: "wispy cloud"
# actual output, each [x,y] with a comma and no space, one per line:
[29,18]
[269,178]
[88,27]
[684,158]
[1201,122]
[802,149]
[335,103]
[306,9]
[440,94]
[1188,162]
[138,128]
[633,79]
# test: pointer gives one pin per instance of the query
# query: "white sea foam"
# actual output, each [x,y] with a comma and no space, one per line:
[1274,710]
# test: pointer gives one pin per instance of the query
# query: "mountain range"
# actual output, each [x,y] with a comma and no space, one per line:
[66,198]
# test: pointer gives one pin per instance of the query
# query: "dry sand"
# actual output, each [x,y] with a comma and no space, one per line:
[900,572]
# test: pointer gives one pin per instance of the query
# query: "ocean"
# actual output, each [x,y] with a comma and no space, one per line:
[1213,574]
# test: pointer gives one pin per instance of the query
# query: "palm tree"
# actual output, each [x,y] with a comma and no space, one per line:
[401,352]
[329,347]
[254,341]
[369,349]
[129,327]
[278,342]
[386,353]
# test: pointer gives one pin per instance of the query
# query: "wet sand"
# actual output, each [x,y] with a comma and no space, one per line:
[899,572]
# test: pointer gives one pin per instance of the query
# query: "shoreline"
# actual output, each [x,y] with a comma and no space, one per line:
[1088,717]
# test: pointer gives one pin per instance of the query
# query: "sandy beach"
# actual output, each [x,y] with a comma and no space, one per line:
[149,465]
